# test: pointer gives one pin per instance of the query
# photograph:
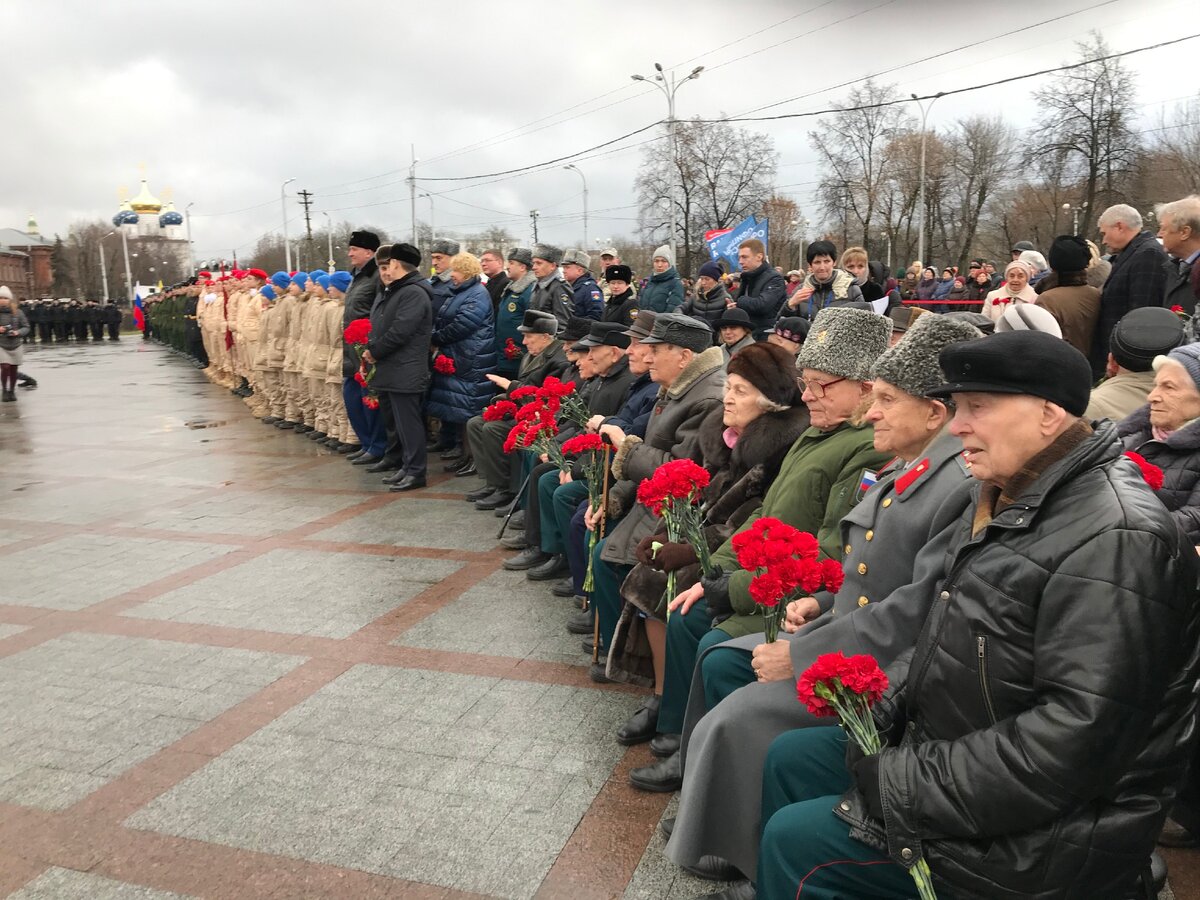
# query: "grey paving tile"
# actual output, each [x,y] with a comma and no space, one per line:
[248,513]
[300,592]
[508,616]
[9,630]
[657,878]
[360,775]
[68,884]
[81,709]
[82,503]
[412,522]
[74,572]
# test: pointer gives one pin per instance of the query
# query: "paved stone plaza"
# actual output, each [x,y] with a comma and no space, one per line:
[232,665]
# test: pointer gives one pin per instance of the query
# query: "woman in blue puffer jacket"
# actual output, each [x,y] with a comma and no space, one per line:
[464,331]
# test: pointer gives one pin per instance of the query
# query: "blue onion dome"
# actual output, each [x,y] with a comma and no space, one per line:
[170,216]
[125,216]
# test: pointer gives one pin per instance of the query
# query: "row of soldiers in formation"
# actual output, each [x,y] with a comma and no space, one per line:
[59,321]
[276,341]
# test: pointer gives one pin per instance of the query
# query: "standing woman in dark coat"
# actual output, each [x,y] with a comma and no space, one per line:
[401,325]
[13,328]
[464,331]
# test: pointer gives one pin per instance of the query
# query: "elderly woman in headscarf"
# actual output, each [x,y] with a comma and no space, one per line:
[742,443]
[927,285]
[909,284]
[1015,290]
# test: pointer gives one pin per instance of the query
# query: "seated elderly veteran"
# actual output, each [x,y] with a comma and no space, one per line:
[822,478]
[690,375]
[918,494]
[1036,733]
[605,368]
[544,358]
[1141,336]
[1166,432]
[789,333]
[632,419]
[742,446]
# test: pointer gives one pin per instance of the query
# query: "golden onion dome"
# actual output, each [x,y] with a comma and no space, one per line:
[145,202]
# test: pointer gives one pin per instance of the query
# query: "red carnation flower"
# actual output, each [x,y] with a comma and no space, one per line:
[832,574]
[360,378]
[1177,309]
[1152,473]
[511,350]
[357,331]
[444,365]
[582,443]
[522,392]
[371,402]
[499,410]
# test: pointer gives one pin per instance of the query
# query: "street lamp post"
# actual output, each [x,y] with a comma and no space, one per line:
[432,226]
[669,89]
[1075,211]
[803,224]
[287,248]
[533,215]
[887,236]
[921,199]
[103,268]
[585,200]
[412,190]
[329,232]
[187,219]
[128,272]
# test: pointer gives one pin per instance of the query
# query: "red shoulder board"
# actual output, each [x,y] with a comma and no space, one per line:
[909,478]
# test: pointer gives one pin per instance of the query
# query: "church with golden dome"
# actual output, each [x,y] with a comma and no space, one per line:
[156,234]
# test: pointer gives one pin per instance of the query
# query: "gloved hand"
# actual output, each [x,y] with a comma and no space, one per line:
[716,593]
[866,776]
[673,557]
[644,553]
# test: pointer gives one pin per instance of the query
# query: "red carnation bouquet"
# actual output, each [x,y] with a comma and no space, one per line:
[593,454]
[847,687]
[784,560]
[673,493]
[444,365]
[356,334]
[1152,473]
[561,397]
[500,410]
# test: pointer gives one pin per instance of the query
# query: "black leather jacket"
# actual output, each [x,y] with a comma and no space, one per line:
[1046,714]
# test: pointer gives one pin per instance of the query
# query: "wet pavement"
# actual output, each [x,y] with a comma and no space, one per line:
[233,665]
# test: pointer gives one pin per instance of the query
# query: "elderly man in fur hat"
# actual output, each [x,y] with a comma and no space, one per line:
[551,293]
[924,488]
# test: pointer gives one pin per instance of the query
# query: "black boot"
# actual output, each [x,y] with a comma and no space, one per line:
[552,569]
[664,777]
[642,725]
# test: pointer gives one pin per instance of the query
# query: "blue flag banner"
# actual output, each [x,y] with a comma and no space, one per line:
[725,246]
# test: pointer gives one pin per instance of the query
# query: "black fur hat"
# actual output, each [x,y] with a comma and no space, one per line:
[769,368]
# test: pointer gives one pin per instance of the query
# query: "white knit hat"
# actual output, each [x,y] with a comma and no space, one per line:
[5,292]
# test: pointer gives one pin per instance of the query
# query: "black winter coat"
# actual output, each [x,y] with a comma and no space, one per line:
[495,288]
[1138,278]
[708,307]
[401,329]
[1179,458]
[360,296]
[621,308]
[551,362]
[761,295]
[1045,716]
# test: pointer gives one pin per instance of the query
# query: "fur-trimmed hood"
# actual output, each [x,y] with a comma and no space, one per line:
[701,365]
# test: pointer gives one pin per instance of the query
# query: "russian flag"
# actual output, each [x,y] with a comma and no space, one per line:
[139,317]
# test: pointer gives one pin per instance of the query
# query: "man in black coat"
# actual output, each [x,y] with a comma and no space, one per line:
[1035,735]
[360,296]
[492,263]
[95,320]
[763,288]
[401,329]
[1138,277]
[111,315]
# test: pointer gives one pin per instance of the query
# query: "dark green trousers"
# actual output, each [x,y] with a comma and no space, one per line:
[556,504]
[807,851]
[724,670]
[688,635]
[606,596]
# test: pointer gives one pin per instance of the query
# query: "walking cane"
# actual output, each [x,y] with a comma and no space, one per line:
[513,507]
[600,524]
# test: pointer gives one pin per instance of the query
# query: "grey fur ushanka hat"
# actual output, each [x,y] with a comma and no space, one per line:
[845,342]
[912,365]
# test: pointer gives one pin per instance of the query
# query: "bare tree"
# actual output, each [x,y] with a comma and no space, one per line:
[1170,166]
[856,147]
[1087,117]
[722,175]
[980,154]
[783,247]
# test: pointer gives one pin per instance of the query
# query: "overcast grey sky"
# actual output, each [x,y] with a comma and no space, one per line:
[224,100]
